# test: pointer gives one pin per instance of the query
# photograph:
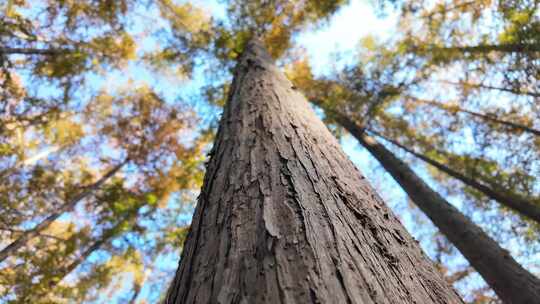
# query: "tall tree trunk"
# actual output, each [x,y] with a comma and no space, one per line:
[509,280]
[506,198]
[285,217]
[67,206]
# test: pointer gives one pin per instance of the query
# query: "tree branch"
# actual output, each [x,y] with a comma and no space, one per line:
[33,51]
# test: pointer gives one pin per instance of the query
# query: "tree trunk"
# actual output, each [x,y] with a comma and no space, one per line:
[285,217]
[505,198]
[68,206]
[509,280]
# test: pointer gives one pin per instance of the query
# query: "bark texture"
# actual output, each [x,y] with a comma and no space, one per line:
[511,282]
[285,217]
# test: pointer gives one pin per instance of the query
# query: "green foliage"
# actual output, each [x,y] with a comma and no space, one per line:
[435,88]
[482,37]
[60,131]
[54,145]
[273,22]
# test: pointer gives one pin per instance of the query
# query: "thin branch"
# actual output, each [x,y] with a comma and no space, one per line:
[459,275]
[488,48]
[23,239]
[485,117]
[483,86]
[506,198]
[33,51]
[50,236]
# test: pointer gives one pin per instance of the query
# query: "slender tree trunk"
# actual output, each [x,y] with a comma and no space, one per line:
[509,280]
[68,206]
[485,117]
[285,217]
[506,198]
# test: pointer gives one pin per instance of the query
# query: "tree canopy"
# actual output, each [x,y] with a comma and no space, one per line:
[108,111]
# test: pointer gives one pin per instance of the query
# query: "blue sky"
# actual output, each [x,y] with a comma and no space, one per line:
[343,33]
[340,35]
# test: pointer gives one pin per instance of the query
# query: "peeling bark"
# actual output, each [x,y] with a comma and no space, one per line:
[285,217]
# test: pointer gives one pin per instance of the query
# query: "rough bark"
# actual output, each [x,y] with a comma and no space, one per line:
[67,206]
[285,217]
[505,198]
[510,281]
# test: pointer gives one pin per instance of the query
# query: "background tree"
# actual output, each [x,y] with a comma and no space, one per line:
[87,84]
